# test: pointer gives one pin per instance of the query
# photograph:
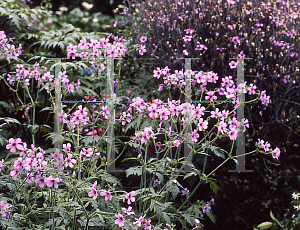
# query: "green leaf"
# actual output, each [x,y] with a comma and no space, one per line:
[137,170]
[89,140]
[265,225]
[2,140]
[6,105]
[47,224]
[211,216]
[214,186]
[47,108]
[273,218]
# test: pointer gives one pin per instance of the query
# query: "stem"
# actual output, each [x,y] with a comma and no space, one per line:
[52,207]
[77,150]
[87,224]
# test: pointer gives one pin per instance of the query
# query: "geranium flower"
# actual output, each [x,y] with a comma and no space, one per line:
[93,193]
[120,221]
[107,194]
[130,197]
[236,40]
[128,211]
[143,39]
[233,64]
[70,161]
[176,143]
[50,181]
[14,144]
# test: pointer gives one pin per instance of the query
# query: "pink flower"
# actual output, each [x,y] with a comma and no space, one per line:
[143,39]
[211,96]
[266,147]
[176,143]
[236,40]
[41,180]
[160,87]
[232,134]
[276,152]
[185,52]
[120,221]
[93,193]
[14,144]
[233,64]
[139,221]
[67,147]
[142,49]
[106,194]
[1,164]
[251,89]
[230,27]
[202,125]
[195,135]
[130,197]
[70,161]
[14,174]
[128,211]
[50,181]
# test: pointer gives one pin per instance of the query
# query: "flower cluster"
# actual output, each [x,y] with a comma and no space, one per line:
[42,76]
[200,80]
[7,50]
[79,117]
[33,162]
[94,50]
[266,147]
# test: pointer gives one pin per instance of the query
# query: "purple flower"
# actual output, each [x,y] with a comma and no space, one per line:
[185,191]
[206,208]
[156,182]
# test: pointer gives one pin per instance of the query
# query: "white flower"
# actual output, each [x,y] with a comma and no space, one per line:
[87,6]
[297,207]
[295,196]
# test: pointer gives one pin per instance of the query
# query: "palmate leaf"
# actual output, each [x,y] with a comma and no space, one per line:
[136,170]
[214,186]
[216,150]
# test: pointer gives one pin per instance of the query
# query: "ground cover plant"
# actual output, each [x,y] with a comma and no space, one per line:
[71,188]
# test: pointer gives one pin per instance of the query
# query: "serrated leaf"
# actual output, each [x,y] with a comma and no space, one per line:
[211,216]
[136,170]
[214,186]
[47,224]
